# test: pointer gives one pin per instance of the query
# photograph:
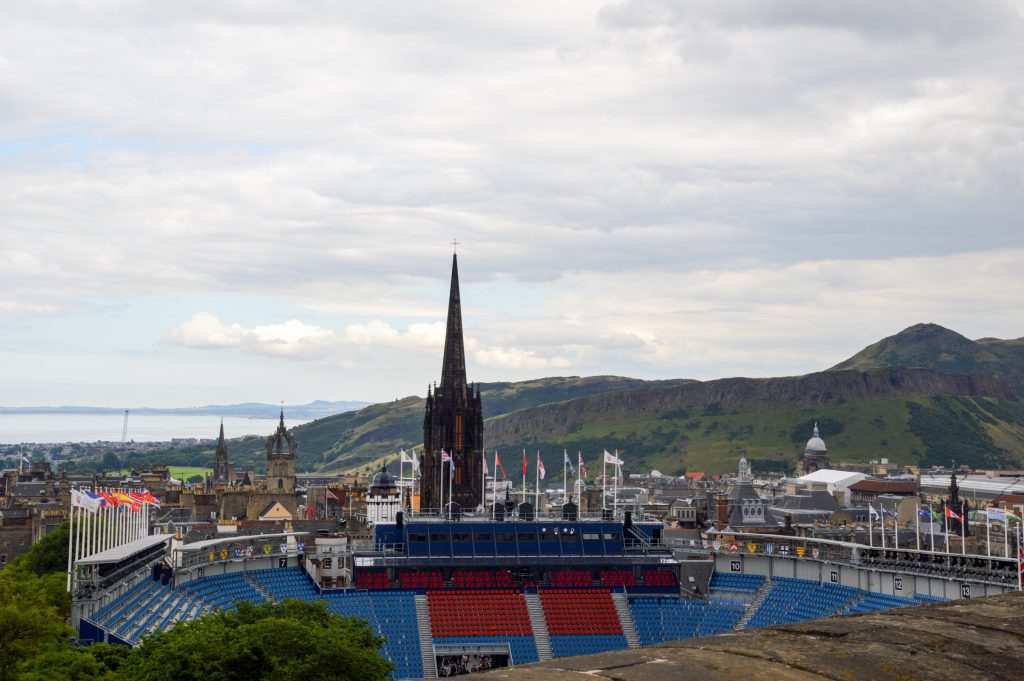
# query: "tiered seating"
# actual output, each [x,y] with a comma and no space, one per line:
[793,600]
[614,578]
[283,583]
[480,579]
[660,578]
[477,617]
[729,581]
[668,619]
[581,622]
[925,598]
[105,616]
[221,591]
[375,579]
[391,614]
[874,602]
[421,579]
[561,578]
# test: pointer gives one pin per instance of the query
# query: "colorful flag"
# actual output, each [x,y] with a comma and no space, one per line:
[82,500]
[892,514]
[148,497]
[524,463]
[445,457]
[330,495]
[497,462]
[997,514]
[583,469]
[612,459]
[540,466]
[950,513]
[569,463]
[925,512]
[111,500]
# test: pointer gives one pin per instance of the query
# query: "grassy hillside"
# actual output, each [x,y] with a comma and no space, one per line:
[934,347]
[923,430]
[358,439]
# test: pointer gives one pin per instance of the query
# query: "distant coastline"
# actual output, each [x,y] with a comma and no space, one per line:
[254,410]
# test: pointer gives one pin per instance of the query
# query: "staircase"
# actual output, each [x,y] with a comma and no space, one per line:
[540,626]
[259,587]
[752,607]
[621,601]
[426,640]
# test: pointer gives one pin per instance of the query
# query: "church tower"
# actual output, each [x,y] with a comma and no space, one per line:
[222,472]
[453,422]
[281,450]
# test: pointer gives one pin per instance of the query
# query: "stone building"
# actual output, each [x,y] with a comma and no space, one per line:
[453,422]
[816,454]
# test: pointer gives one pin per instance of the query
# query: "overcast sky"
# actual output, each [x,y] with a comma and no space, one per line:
[253,200]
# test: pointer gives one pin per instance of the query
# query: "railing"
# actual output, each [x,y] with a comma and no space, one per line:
[996,570]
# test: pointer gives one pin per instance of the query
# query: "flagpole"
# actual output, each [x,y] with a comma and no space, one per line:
[579,479]
[536,485]
[441,500]
[615,487]
[1006,534]
[988,535]
[401,479]
[871,533]
[483,481]
[524,476]
[896,525]
[565,476]
[963,531]
[945,515]
[71,531]
[881,521]
[604,479]
[494,500]
[918,531]
[931,524]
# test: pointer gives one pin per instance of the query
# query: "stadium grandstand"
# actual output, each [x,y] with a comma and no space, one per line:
[470,593]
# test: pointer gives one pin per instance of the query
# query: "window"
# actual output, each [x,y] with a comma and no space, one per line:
[483,536]
[460,536]
[458,436]
[327,563]
[417,537]
[591,536]
[437,536]
[527,536]
[505,536]
[611,536]
[547,536]
[280,483]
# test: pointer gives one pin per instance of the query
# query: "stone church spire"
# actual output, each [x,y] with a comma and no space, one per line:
[453,368]
[453,422]
[221,466]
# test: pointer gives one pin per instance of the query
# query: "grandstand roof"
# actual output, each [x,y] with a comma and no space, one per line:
[982,485]
[119,553]
[228,538]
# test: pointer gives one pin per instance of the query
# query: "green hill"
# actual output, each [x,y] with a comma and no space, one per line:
[935,347]
[907,415]
[926,395]
[360,438]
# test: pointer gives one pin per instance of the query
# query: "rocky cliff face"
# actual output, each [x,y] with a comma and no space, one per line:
[746,395]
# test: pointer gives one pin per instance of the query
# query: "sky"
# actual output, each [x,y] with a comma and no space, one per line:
[253,200]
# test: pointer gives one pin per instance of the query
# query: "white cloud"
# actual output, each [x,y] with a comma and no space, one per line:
[640,187]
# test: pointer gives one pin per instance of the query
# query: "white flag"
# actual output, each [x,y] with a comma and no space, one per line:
[83,500]
[406,458]
[872,513]
[612,459]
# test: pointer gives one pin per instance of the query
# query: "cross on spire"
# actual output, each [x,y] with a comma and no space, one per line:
[455,245]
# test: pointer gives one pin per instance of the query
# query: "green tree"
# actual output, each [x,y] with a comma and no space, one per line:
[290,641]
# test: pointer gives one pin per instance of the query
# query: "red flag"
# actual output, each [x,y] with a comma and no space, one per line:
[524,463]
[540,466]
[950,513]
[497,462]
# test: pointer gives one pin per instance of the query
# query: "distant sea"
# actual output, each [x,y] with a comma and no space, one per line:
[19,428]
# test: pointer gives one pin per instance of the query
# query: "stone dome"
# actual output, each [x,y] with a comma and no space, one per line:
[383,480]
[815,444]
